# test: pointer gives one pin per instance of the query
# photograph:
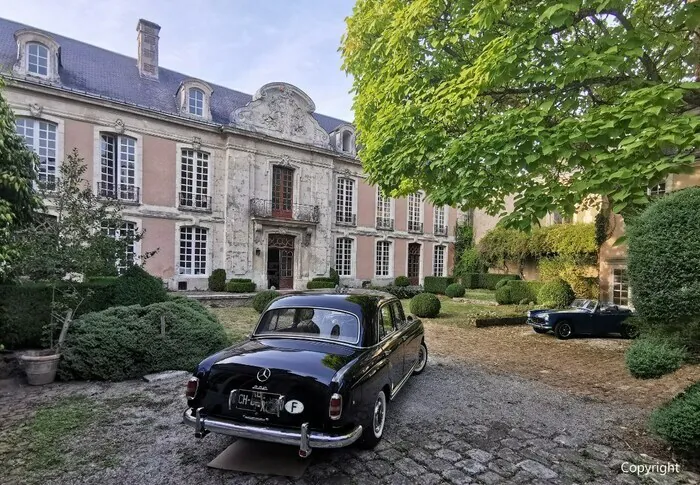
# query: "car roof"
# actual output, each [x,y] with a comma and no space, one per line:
[360,302]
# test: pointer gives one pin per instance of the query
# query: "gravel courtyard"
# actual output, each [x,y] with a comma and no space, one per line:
[456,423]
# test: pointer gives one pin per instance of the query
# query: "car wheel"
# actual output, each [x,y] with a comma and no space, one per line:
[628,331]
[540,330]
[564,330]
[422,359]
[373,432]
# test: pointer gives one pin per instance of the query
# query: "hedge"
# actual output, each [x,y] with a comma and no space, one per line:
[127,342]
[524,290]
[455,290]
[556,293]
[25,309]
[402,281]
[137,287]
[489,280]
[470,280]
[263,298]
[649,358]
[316,284]
[437,284]
[678,421]
[425,305]
[217,280]
[401,292]
[240,285]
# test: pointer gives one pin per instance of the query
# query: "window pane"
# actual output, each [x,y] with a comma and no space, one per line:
[311,322]
[40,136]
[439,261]
[344,200]
[343,256]
[196,102]
[37,59]
[620,287]
[193,250]
[382,261]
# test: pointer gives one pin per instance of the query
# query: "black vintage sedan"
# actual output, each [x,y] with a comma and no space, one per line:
[584,317]
[317,372]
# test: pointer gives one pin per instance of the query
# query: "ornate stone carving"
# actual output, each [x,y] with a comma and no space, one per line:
[35,109]
[285,161]
[197,143]
[119,126]
[283,111]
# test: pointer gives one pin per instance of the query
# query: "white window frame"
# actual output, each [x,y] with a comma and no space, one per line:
[195,101]
[390,259]
[442,251]
[385,201]
[199,188]
[135,246]
[614,284]
[418,197]
[97,163]
[345,201]
[47,58]
[46,153]
[122,183]
[442,211]
[190,252]
[347,258]
[184,97]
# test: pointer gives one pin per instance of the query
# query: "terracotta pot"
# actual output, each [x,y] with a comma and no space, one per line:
[40,366]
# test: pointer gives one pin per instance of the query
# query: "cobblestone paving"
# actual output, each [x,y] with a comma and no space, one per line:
[451,425]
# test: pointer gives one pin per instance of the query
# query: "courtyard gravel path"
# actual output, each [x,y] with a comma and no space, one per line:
[454,424]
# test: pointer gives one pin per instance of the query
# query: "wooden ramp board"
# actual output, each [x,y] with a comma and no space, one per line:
[261,458]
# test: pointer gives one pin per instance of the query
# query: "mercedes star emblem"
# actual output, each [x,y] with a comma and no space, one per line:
[263,375]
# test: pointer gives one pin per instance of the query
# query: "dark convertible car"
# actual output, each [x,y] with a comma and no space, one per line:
[584,317]
[317,372]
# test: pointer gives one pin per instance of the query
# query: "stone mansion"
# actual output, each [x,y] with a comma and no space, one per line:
[261,185]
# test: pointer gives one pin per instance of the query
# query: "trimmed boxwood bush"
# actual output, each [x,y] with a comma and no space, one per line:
[678,421]
[26,308]
[319,283]
[263,298]
[524,290]
[425,305]
[126,342]
[503,282]
[401,292]
[455,290]
[137,287]
[402,281]
[217,280]
[556,294]
[648,358]
[503,295]
[240,285]
[437,284]
[664,258]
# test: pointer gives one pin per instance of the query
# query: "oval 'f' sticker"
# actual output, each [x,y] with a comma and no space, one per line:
[294,407]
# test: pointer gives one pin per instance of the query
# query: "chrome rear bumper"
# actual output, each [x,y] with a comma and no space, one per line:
[304,438]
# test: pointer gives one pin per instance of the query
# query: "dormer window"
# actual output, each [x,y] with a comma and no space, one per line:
[343,139]
[347,141]
[37,59]
[196,101]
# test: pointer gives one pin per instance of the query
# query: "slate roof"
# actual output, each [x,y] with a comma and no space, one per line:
[97,71]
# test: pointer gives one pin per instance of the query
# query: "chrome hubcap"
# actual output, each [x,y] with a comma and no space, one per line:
[565,330]
[421,358]
[378,416]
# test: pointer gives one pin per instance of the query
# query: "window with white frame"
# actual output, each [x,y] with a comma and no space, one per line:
[439,219]
[383,261]
[37,59]
[343,256]
[439,261]
[346,141]
[194,180]
[193,250]
[118,168]
[620,287]
[415,215]
[345,193]
[384,216]
[126,231]
[40,136]
[195,101]
[657,190]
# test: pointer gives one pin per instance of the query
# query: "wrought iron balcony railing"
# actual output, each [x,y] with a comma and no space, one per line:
[345,218]
[284,210]
[194,202]
[385,223]
[440,230]
[124,193]
[47,183]
[416,227]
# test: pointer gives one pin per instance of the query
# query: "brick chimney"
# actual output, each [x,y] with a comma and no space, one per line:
[147,39]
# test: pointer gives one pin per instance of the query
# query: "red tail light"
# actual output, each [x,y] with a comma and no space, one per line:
[192,386]
[336,406]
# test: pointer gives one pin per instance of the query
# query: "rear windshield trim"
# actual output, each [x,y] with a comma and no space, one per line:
[310,337]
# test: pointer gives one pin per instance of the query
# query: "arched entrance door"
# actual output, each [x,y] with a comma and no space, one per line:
[280,261]
[413,272]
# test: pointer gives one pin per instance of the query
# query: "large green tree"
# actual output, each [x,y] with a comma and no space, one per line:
[18,198]
[552,102]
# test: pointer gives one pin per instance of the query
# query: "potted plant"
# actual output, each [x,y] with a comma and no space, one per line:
[41,365]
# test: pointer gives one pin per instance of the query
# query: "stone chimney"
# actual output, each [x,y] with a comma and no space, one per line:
[147,39]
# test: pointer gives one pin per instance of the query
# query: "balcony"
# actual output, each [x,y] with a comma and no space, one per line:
[124,193]
[440,230]
[385,223]
[292,212]
[46,183]
[415,227]
[345,219]
[194,202]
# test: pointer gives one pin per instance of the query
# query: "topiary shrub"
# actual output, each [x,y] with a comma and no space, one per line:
[127,342]
[402,281]
[437,284]
[319,283]
[425,305]
[217,280]
[240,285]
[137,287]
[678,421]
[524,290]
[455,290]
[556,294]
[502,282]
[648,358]
[263,298]
[504,296]
[664,258]
[401,292]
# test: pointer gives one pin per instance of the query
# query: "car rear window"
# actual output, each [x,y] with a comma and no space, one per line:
[310,322]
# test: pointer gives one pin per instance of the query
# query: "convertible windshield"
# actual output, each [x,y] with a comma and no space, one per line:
[310,322]
[584,304]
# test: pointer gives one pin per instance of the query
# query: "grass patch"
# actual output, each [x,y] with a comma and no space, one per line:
[461,314]
[238,322]
[480,294]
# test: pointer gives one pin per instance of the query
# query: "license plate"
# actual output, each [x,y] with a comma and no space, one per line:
[265,402]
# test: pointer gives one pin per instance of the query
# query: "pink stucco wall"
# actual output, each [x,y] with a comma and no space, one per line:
[400,214]
[452,216]
[427,258]
[428,216]
[400,257]
[366,204]
[160,235]
[365,258]
[160,162]
[80,135]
